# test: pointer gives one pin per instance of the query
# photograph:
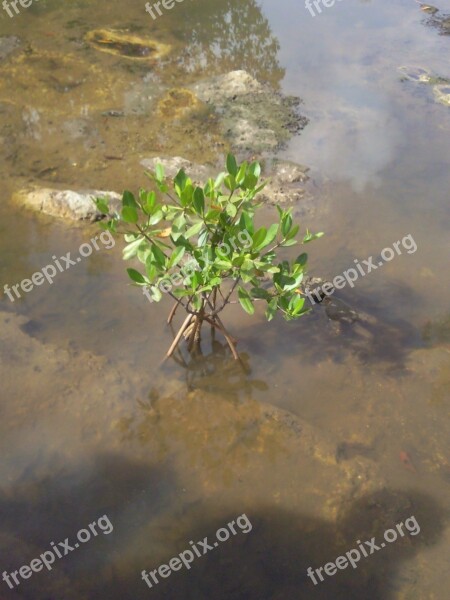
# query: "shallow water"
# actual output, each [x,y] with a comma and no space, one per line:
[327,436]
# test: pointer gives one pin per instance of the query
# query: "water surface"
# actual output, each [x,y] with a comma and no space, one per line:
[310,440]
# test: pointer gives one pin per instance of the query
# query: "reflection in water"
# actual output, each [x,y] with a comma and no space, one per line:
[226,35]
[218,371]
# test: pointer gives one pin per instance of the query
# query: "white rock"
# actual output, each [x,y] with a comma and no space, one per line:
[235,83]
[66,204]
[172,164]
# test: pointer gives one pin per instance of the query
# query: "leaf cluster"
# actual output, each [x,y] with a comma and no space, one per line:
[194,240]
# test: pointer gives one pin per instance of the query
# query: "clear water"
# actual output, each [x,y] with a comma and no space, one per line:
[329,436]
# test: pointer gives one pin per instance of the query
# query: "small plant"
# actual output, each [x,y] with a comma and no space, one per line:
[200,245]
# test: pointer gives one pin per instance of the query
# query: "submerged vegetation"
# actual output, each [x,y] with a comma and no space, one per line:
[201,245]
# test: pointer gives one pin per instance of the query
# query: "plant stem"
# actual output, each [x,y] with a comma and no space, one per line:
[225,302]
[186,323]
[172,312]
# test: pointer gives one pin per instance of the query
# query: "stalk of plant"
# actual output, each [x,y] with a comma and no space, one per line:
[179,220]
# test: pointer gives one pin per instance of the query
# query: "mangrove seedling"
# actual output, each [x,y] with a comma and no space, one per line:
[200,245]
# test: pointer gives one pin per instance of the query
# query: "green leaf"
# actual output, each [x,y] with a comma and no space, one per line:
[285,282]
[102,205]
[187,193]
[272,309]
[269,268]
[245,300]
[136,276]
[158,256]
[270,236]
[155,293]
[159,172]
[255,169]
[223,263]
[197,302]
[149,203]
[150,268]
[241,174]
[180,179]
[129,200]
[246,223]
[143,252]
[309,237]
[199,200]
[258,238]
[286,224]
[219,180]
[293,232]
[238,261]
[301,260]
[180,222]
[297,304]
[258,292]
[213,215]
[129,214]
[249,182]
[193,230]
[203,238]
[130,237]
[176,257]
[197,280]
[131,249]
[230,182]
[231,209]
[291,283]
[208,188]
[156,217]
[232,167]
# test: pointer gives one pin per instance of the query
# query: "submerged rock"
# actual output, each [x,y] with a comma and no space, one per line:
[8,45]
[442,23]
[231,85]
[421,75]
[442,94]
[57,83]
[66,204]
[124,44]
[173,164]
[440,85]
[427,8]
[252,116]
[285,177]
[176,103]
[250,437]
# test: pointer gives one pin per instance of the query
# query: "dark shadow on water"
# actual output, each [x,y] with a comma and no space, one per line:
[375,338]
[267,563]
[56,505]
[379,336]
